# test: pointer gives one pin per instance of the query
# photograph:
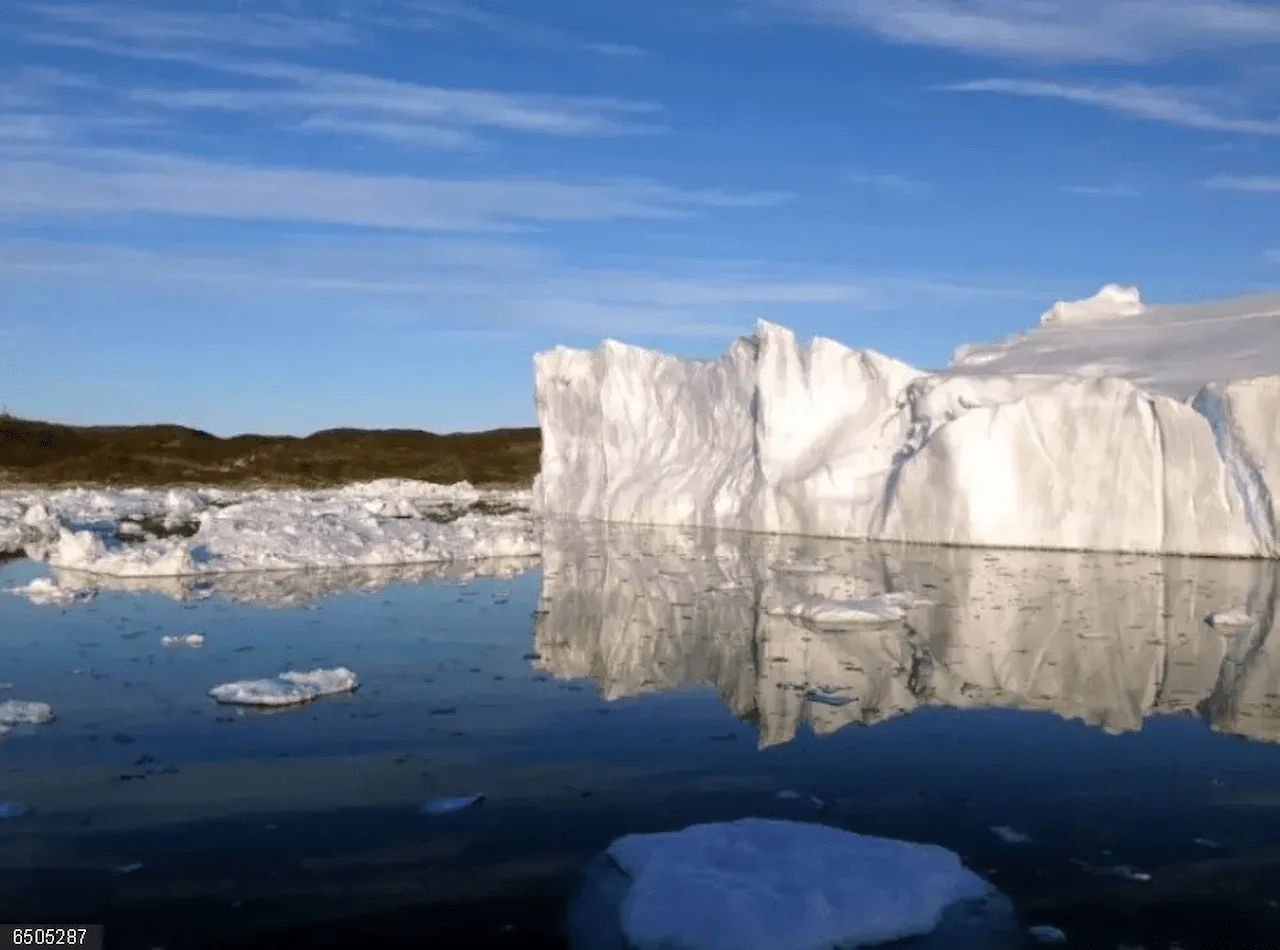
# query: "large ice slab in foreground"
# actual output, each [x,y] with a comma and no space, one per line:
[1054,452]
[759,884]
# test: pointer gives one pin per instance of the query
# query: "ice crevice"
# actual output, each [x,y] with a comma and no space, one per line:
[1091,432]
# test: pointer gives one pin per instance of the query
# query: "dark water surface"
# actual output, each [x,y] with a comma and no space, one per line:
[642,681]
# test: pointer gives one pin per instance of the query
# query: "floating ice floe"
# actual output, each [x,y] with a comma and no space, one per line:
[790,795]
[1230,619]
[445,806]
[877,609]
[1010,835]
[45,591]
[19,712]
[760,884]
[828,697]
[1093,431]
[182,640]
[12,809]
[287,689]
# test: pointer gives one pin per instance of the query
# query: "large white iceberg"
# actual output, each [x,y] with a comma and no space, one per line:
[1082,434]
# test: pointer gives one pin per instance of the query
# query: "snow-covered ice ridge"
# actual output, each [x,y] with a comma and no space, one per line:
[139,533]
[1112,426]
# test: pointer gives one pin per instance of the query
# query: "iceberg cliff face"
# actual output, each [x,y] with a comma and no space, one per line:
[821,439]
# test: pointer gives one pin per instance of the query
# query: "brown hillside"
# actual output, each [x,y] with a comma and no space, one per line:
[45,453]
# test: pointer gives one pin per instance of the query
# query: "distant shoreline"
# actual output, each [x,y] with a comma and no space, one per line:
[38,454]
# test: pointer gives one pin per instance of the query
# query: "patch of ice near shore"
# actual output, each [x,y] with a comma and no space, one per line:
[46,591]
[211,531]
[284,588]
[287,689]
[760,884]
[1064,437]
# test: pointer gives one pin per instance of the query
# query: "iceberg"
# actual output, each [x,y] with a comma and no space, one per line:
[1113,426]
[760,884]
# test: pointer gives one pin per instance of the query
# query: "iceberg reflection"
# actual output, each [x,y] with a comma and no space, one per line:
[1104,638]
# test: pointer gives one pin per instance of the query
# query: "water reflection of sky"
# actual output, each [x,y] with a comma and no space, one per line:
[640,680]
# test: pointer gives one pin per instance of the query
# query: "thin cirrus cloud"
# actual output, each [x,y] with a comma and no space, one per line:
[1187,107]
[142,28]
[1101,191]
[106,182]
[310,99]
[1100,31]
[1256,184]
[891,181]
[334,100]
[444,283]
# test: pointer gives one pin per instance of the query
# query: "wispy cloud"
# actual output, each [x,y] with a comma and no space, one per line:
[1248,183]
[1188,107]
[1075,31]
[890,181]
[620,50]
[334,100]
[105,182]
[292,96]
[451,283]
[1102,191]
[152,28]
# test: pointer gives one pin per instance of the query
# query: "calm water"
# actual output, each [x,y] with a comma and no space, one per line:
[642,681]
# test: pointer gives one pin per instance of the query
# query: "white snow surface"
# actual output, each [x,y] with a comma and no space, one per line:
[287,689]
[1113,426]
[759,884]
[138,533]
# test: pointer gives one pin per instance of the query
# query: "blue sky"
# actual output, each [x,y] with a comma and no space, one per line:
[278,215]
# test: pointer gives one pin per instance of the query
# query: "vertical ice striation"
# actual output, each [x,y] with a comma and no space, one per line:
[820,439]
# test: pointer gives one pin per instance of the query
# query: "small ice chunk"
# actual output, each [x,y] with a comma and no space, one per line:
[18,712]
[1235,618]
[445,806]
[761,884]
[800,567]
[1206,842]
[1045,933]
[1228,619]
[287,689]
[1010,835]
[182,640]
[44,591]
[828,697]
[1126,871]
[790,795]
[12,809]
[876,609]
[128,868]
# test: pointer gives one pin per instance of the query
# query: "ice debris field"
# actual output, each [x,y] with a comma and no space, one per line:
[1112,426]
